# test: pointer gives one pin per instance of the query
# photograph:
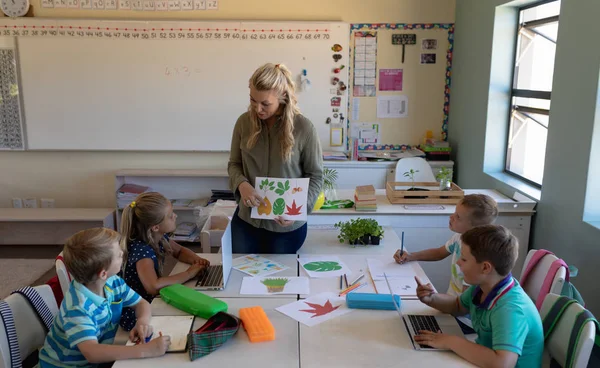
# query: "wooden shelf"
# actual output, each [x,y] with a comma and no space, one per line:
[174,172]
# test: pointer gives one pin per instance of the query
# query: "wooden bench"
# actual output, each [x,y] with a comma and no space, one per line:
[47,226]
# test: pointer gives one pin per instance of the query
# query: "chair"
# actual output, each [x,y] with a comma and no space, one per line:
[535,280]
[64,277]
[425,174]
[557,344]
[31,331]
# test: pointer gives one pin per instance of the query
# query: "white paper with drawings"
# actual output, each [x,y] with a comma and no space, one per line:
[316,309]
[282,197]
[324,266]
[176,327]
[391,269]
[403,286]
[275,285]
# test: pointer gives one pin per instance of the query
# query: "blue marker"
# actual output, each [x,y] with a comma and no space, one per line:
[149,338]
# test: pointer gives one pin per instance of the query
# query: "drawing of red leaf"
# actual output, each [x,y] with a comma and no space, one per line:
[319,310]
[293,211]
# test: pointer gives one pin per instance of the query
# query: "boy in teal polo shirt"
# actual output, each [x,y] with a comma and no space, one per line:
[84,329]
[507,323]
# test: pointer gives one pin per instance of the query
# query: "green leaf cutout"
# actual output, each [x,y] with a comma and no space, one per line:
[278,207]
[282,188]
[322,266]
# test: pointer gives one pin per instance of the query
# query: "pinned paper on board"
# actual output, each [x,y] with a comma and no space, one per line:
[316,309]
[275,285]
[285,198]
[324,266]
[392,106]
[255,265]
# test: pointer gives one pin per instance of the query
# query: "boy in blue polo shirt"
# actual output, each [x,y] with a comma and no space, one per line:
[507,323]
[85,327]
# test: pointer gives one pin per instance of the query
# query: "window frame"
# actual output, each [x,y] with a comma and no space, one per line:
[524,93]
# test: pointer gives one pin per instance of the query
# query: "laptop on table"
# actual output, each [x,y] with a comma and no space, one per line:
[418,322]
[215,276]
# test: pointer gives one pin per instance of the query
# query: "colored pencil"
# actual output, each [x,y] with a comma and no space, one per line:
[402,245]
[341,281]
[351,288]
[357,279]
[346,280]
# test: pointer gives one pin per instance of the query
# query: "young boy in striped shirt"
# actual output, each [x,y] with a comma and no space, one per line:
[84,329]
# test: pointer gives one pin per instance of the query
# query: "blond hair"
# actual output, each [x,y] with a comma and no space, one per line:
[494,244]
[88,252]
[278,78]
[148,210]
[484,208]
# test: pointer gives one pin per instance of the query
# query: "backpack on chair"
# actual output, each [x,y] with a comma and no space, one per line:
[568,289]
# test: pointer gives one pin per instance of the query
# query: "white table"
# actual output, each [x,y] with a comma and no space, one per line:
[232,289]
[358,265]
[369,338]
[239,351]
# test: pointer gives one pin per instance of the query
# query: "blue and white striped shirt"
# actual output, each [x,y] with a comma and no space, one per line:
[85,316]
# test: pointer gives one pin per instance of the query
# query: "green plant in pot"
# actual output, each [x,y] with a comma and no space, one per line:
[375,232]
[350,231]
[330,176]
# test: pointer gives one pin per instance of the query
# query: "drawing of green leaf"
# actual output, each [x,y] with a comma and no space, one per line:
[282,188]
[323,266]
[279,206]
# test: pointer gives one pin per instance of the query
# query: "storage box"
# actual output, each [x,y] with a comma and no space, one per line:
[433,194]
[212,232]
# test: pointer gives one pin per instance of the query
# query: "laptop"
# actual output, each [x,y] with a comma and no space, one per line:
[215,276]
[419,322]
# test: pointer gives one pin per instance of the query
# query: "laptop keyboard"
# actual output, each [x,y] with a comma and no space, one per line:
[424,323]
[212,276]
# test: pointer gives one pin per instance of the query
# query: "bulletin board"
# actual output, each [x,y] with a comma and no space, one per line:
[420,85]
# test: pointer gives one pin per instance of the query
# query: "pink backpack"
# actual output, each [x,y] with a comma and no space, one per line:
[568,288]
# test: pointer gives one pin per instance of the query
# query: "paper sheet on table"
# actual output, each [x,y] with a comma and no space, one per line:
[403,286]
[392,269]
[176,327]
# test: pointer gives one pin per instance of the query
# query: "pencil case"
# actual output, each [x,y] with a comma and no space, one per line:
[192,301]
[371,301]
[257,324]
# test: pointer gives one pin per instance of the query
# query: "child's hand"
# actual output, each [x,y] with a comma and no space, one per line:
[140,332]
[201,261]
[405,257]
[157,347]
[424,292]
[435,340]
[194,270]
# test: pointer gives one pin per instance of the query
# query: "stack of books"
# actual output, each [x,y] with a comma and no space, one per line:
[436,150]
[186,231]
[364,198]
[128,192]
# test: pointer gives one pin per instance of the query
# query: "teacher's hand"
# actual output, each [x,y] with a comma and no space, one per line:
[250,197]
[281,221]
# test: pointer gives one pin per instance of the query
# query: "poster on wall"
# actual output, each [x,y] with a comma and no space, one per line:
[390,79]
[365,64]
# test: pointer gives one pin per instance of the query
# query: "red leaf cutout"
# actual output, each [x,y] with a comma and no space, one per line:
[319,310]
[293,211]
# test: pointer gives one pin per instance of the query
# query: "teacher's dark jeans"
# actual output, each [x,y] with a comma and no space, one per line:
[248,239]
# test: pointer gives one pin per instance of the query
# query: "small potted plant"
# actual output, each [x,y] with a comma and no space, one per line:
[351,231]
[411,175]
[330,176]
[375,232]
[445,178]
[364,227]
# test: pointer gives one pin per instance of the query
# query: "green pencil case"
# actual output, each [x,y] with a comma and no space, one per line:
[192,301]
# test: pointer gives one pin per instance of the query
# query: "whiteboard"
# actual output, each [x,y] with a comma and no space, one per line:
[164,86]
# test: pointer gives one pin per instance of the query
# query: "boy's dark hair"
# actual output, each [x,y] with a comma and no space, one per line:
[484,208]
[494,244]
[88,252]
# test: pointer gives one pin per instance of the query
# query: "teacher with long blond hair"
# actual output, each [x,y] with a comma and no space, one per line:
[271,139]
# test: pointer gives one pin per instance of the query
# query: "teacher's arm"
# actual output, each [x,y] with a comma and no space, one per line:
[235,168]
[312,166]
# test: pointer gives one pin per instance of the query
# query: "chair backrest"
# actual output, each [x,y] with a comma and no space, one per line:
[557,343]
[425,173]
[31,331]
[64,277]
[537,276]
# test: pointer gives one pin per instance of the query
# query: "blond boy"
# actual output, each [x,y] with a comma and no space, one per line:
[473,210]
[85,327]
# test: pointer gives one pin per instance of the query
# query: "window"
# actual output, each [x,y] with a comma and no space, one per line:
[531,91]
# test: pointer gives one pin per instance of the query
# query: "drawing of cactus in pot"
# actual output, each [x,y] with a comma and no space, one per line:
[275,285]
[266,207]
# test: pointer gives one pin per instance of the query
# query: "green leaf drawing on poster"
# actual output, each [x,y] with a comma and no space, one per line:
[282,188]
[279,207]
[323,266]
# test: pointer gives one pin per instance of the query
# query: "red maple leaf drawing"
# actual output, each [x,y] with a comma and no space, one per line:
[319,310]
[293,211]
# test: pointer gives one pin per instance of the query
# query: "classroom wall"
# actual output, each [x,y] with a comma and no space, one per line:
[558,225]
[85,179]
